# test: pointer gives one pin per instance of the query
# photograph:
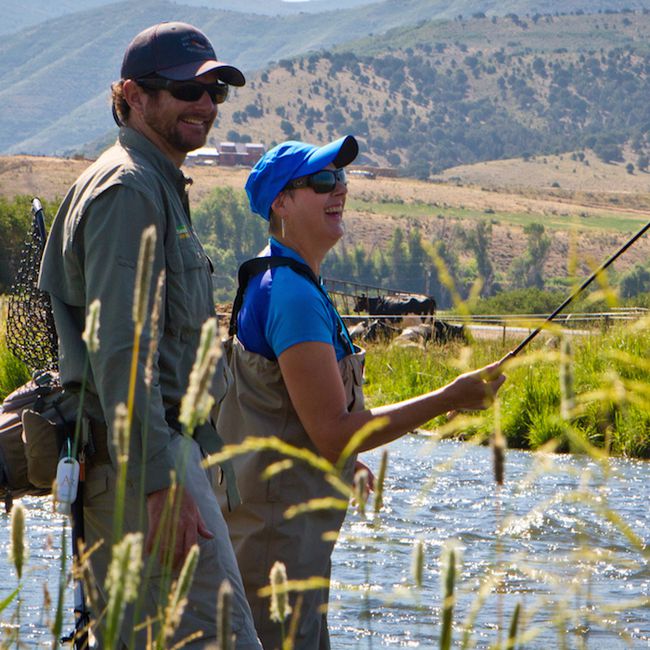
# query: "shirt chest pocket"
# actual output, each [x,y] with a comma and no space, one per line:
[189,288]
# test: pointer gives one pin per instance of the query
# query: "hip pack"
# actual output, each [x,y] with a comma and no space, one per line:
[36,421]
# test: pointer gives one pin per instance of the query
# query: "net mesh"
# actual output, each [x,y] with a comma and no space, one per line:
[31,335]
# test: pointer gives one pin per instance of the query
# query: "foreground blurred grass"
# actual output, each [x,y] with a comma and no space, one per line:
[610,375]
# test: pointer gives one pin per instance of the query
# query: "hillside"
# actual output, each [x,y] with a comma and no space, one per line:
[424,97]
[465,91]
[593,225]
[54,88]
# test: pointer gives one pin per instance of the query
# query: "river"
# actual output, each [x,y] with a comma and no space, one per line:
[547,539]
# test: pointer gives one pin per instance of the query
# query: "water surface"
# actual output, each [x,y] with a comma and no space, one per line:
[545,539]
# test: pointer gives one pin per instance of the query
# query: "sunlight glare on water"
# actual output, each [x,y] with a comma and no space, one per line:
[556,554]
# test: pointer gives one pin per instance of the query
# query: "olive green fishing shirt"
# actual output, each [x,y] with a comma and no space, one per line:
[92,253]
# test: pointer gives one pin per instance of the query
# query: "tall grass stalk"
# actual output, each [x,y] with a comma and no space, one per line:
[279,609]
[139,312]
[178,601]
[17,555]
[18,550]
[90,337]
[511,642]
[148,382]
[378,503]
[225,639]
[121,442]
[122,583]
[448,582]
[57,625]
[198,400]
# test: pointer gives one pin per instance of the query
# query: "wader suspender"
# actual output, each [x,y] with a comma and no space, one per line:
[257,265]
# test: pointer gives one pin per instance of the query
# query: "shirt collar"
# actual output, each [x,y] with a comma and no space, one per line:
[132,139]
[280,249]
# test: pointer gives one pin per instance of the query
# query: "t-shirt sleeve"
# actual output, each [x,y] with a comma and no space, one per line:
[297,313]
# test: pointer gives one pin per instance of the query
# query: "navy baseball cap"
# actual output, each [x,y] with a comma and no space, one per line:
[293,159]
[176,51]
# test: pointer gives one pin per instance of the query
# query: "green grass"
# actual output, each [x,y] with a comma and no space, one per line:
[611,221]
[611,376]
[13,373]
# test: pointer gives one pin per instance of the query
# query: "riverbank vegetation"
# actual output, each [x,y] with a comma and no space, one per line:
[608,370]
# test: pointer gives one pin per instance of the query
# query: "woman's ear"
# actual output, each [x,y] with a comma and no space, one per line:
[279,203]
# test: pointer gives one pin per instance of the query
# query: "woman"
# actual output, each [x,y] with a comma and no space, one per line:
[298,376]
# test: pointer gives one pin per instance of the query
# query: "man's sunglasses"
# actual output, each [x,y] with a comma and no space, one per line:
[321,182]
[187,91]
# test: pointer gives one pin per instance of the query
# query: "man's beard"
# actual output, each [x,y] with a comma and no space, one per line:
[171,132]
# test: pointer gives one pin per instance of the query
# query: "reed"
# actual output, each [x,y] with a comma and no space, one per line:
[448,582]
[122,583]
[17,550]
[225,638]
[279,608]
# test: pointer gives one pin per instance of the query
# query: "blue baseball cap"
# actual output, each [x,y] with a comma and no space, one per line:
[293,159]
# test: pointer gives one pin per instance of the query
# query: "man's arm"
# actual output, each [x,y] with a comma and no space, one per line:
[111,232]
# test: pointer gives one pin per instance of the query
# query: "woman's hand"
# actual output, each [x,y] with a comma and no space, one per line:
[477,389]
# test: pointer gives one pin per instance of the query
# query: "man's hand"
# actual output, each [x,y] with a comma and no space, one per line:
[182,522]
[359,466]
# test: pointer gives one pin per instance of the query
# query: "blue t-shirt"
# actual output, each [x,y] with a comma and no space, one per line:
[282,308]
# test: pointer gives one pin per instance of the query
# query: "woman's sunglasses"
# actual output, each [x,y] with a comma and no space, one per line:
[321,182]
[187,91]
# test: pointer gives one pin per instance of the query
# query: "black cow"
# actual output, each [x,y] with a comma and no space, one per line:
[447,332]
[395,305]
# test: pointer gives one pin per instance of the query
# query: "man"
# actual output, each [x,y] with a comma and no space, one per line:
[165,104]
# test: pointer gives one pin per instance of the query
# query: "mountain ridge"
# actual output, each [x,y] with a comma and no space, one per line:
[479,70]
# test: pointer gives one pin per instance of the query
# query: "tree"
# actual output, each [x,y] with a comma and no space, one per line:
[528,270]
[230,233]
[398,255]
[479,242]
[635,281]
[608,152]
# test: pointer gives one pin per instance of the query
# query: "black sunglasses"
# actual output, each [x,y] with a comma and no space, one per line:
[321,182]
[187,91]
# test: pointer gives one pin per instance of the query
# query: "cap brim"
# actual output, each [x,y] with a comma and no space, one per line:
[340,153]
[225,72]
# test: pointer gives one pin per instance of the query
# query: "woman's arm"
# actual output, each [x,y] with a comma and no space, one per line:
[311,374]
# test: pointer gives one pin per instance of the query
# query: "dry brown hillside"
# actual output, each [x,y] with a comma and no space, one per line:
[603,210]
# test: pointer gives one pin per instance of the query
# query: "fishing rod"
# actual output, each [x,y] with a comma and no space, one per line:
[579,290]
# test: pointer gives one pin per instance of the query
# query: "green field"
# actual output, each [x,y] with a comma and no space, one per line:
[623,222]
